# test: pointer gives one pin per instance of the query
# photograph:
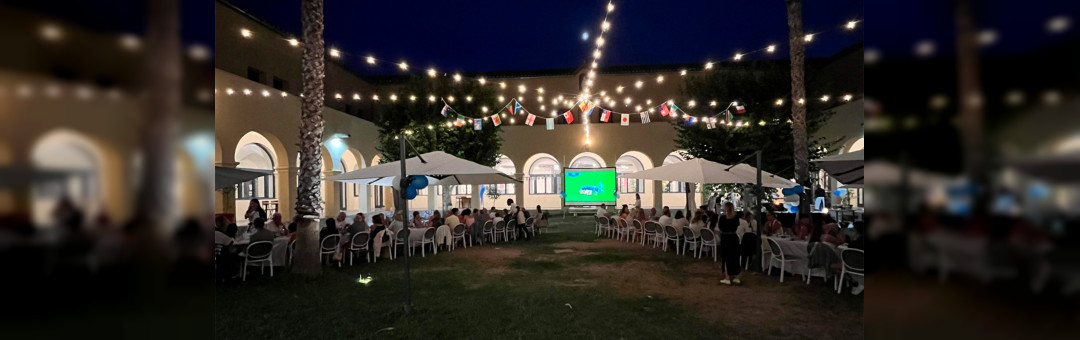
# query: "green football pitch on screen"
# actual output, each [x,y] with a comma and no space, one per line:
[589,186]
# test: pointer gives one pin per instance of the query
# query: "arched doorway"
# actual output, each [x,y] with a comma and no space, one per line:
[542,173]
[80,164]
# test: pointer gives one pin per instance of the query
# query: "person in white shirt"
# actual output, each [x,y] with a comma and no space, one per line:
[679,221]
[340,222]
[744,224]
[665,217]
[276,225]
[397,225]
[451,219]
[520,214]
[602,211]
[637,201]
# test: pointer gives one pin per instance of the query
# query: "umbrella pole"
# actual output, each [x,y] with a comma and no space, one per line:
[403,203]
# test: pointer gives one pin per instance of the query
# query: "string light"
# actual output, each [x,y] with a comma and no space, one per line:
[129,41]
[638,84]
[692,103]
[659,79]
[431,98]
[708,65]
[502,84]
[594,64]
[770,49]
[610,7]
[246,33]
[851,24]
[502,99]
[802,101]
[284,94]
[393,97]
[450,98]
[683,72]
[847,97]
[738,56]
[431,72]
[637,108]
[53,33]
[482,81]
[468,99]
[600,41]
[229,91]
[761,123]
[336,95]
[809,37]
[371,60]
[825,98]
[457,78]
[596,54]
[521,88]
[605,26]
[294,43]
[412,98]
[712,103]
[484,109]
[265,93]
[779,102]
[335,53]
[375,97]
[247,92]
[403,66]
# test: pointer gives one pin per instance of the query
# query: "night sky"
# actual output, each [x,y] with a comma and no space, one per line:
[524,35]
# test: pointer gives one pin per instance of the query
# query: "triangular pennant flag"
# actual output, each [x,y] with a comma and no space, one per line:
[586,107]
[495,119]
[644,118]
[550,123]
[529,121]
[478,124]
[625,121]
[605,116]
[445,109]
[664,111]
[739,108]
[569,115]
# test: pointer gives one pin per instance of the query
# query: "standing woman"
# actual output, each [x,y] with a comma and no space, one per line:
[728,223]
[255,210]
[637,201]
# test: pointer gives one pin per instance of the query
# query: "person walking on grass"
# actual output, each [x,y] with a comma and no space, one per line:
[728,224]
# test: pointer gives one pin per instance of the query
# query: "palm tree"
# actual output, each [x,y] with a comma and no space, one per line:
[798,92]
[311,130]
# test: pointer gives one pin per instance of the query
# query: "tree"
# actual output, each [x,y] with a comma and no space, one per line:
[768,127]
[426,129]
[311,129]
[797,48]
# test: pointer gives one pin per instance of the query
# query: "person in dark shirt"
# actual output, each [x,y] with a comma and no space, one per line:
[728,224]
[329,229]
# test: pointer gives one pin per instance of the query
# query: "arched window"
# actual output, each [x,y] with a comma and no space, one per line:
[255,156]
[627,165]
[585,162]
[506,166]
[544,176]
[673,186]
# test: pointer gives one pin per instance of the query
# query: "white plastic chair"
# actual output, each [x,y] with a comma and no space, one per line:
[500,229]
[778,255]
[329,245]
[670,234]
[638,230]
[530,225]
[488,231]
[613,227]
[387,243]
[601,225]
[400,239]
[853,261]
[258,253]
[649,235]
[810,271]
[708,240]
[458,234]
[429,238]
[359,243]
[688,239]
[292,250]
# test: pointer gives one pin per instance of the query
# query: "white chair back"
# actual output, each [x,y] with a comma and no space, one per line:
[259,250]
[330,242]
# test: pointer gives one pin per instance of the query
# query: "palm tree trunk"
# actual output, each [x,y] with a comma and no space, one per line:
[311,130]
[970,102]
[798,91]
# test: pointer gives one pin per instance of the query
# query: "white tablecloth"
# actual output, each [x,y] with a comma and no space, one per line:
[278,253]
[796,250]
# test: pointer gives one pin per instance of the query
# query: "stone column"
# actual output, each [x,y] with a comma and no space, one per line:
[286,191]
[658,194]
[227,204]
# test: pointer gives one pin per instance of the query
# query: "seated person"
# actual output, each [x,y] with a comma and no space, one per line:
[452,219]
[330,228]
[261,233]
[359,224]
[436,220]
[219,232]
[396,225]
[831,232]
[276,225]
[600,212]
[802,229]
[416,222]
[679,221]
[665,217]
[772,225]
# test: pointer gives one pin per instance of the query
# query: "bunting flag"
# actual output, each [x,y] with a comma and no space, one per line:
[664,111]
[739,108]
[569,117]
[674,108]
[644,118]
[710,123]
[529,121]
[550,123]
[478,124]
[516,108]
[495,119]
[605,115]
[690,121]
[460,121]
[445,109]
[586,107]
[625,121]
[727,115]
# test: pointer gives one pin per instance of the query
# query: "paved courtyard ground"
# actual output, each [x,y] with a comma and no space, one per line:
[566,283]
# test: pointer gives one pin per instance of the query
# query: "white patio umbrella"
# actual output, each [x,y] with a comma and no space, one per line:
[703,171]
[1053,168]
[846,168]
[225,177]
[441,168]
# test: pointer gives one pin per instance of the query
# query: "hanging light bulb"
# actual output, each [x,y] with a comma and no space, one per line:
[779,102]
[403,66]
[431,72]
[639,84]
[483,81]
[738,56]
[682,72]
[659,79]
[431,98]
[770,49]
[335,53]
[610,7]
[851,24]
[712,103]
[708,65]
[293,42]
[457,78]
[468,99]
[605,25]
[809,37]
[502,84]
[371,60]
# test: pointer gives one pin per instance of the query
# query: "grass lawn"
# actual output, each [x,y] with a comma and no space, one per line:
[590,289]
